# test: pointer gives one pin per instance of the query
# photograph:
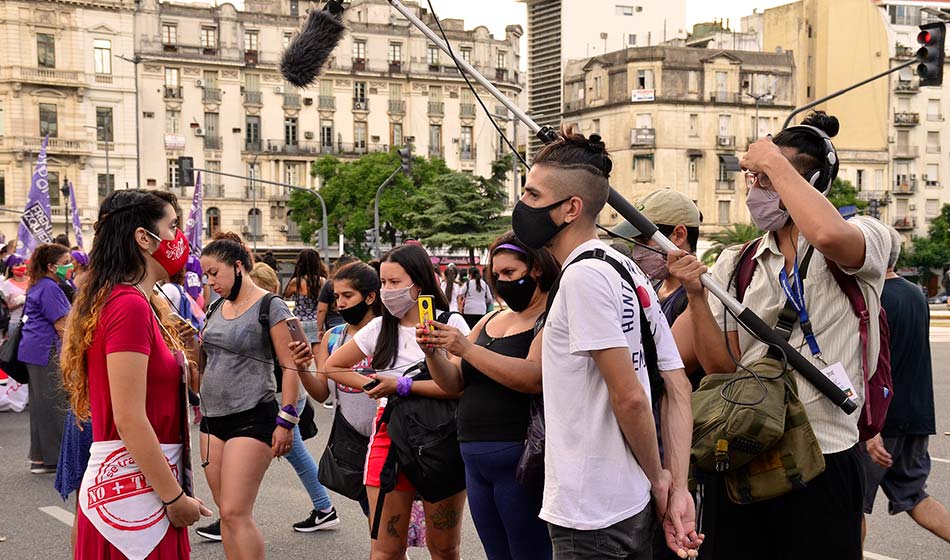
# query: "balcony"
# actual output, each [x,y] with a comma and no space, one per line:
[212,142]
[326,102]
[467,153]
[726,141]
[573,105]
[931,149]
[901,52]
[103,78]
[905,186]
[643,138]
[211,95]
[292,148]
[436,151]
[725,97]
[906,119]
[173,92]
[360,104]
[291,101]
[213,190]
[397,107]
[252,146]
[254,193]
[253,97]
[906,86]
[501,74]
[45,76]
[931,183]
[359,64]
[250,57]
[725,187]
[436,108]
[905,223]
[467,110]
[64,146]
[906,152]
[395,66]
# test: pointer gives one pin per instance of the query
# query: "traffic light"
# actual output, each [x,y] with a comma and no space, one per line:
[405,159]
[186,171]
[930,54]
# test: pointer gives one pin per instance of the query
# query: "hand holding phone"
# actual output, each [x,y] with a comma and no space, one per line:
[426,312]
[296,331]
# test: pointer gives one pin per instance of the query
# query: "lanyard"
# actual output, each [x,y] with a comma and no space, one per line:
[796,297]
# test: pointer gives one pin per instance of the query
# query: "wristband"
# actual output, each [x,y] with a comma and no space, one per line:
[403,386]
[178,497]
[287,417]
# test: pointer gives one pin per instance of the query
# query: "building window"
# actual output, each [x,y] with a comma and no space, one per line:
[2,129]
[645,79]
[359,91]
[643,168]
[435,140]
[326,134]
[859,182]
[3,189]
[878,180]
[288,37]
[172,120]
[252,82]
[693,169]
[631,39]
[904,15]
[933,175]
[724,213]
[624,10]
[290,131]
[931,208]
[214,221]
[359,50]
[169,34]
[432,55]
[395,91]
[252,128]
[465,143]
[501,61]
[933,142]
[395,134]
[725,175]
[54,192]
[48,121]
[295,7]
[45,50]
[172,166]
[102,54]
[106,185]
[172,88]
[359,136]
[292,173]
[255,220]
[694,124]
[209,37]
[435,93]
[104,124]
[598,86]
[250,41]
[466,54]
[395,52]
[595,125]
[693,81]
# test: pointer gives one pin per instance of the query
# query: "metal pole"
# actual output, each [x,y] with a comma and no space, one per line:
[756,133]
[798,110]
[379,192]
[109,180]
[135,60]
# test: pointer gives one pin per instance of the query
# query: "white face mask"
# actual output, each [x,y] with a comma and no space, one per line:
[398,301]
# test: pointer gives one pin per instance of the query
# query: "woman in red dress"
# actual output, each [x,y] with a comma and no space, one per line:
[119,366]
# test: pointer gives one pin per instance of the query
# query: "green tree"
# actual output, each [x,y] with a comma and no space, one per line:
[931,252]
[735,234]
[349,189]
[843,193]
[461,211]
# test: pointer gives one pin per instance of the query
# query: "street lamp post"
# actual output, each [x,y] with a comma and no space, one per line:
[65,190]
[768,97]
[135,60]
[110,183]
[379,191]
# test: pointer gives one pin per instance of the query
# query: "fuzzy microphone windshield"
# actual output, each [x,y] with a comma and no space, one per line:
[308,52]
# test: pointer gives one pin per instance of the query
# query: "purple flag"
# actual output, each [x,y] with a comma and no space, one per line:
[77,225]
[194,229]
[35,225]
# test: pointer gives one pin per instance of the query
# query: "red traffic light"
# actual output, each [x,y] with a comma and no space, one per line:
[924,37]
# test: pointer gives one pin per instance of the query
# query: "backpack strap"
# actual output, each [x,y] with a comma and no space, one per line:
[849,285]
[745,267]
[445,315]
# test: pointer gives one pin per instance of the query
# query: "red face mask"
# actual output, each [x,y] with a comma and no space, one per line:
[171,254]
[19,270]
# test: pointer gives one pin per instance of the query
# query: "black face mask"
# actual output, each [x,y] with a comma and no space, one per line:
[355,314]
[236,288]
[517,293]
[534,226]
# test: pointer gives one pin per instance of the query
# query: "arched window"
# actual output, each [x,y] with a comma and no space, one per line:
[293,231]
[213,220]
[255,222]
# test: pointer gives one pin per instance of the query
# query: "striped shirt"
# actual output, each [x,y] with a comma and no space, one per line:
[834,323]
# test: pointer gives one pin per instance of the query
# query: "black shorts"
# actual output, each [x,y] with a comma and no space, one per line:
[905,482]
[258,423]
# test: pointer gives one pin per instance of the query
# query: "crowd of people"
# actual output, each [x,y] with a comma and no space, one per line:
[551,390]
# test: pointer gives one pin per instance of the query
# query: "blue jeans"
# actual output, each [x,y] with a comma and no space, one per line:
[505,511]
[306,467]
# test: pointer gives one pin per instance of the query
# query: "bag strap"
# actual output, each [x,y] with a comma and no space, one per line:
[263,317]
[745,268]
[849,285]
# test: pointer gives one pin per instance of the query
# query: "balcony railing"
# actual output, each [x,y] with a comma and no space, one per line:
[173,92]
[291,101]
[906,119]
[900,51]
[212,142]
[436,108]
[360,104]
[351,148]
[467,110]
[211,95]
[573,105]
[905,223]
[292,148]
[467,153]
[55,145]
[250,57]
[724,97]
[905,185]
[501,74]
[326,102]
[213,190]
[253,97]
[103,78]
[643,137]
[48,76]
[906,152]
[395,66]
[726,141]
[725,187]
[906,86]
[436,151]
[397,106]
[252,145]
[359,64]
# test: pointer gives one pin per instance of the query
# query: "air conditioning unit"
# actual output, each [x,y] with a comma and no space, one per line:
[912,207]
[283,229]
[724,141]
[199,83]
[278,89]
[308,135]
[924,177]
[274,147]
[308,101]
[199,131]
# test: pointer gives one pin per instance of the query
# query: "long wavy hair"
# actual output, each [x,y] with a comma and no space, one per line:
[310,269]
[115,258]
[42,257]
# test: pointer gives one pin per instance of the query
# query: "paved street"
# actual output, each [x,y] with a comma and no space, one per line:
[33,518]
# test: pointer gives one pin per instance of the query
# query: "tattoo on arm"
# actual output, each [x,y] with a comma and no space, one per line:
[391,526]
[446,517]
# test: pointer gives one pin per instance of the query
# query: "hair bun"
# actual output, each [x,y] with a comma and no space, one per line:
[824,122]
[596,143]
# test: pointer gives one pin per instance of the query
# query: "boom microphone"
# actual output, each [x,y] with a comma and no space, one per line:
[308,52]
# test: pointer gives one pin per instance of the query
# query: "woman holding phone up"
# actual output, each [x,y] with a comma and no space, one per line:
[243,426]
[389,342]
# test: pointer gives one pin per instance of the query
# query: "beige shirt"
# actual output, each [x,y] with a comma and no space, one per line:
[834,323]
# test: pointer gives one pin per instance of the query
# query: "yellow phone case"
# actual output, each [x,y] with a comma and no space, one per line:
[426,312]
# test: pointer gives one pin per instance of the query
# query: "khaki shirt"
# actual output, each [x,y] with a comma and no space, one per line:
[833,321]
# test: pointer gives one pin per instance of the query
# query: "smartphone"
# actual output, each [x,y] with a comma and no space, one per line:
[371,385]
[296,331]
[425,309]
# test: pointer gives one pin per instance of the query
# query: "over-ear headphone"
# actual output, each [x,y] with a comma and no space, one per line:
[823,176]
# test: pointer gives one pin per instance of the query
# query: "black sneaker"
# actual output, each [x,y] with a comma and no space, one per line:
[318,521]
[211,532]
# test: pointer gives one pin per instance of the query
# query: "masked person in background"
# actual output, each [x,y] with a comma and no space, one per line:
[790,178]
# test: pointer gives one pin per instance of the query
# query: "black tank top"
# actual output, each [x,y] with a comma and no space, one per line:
[489,411]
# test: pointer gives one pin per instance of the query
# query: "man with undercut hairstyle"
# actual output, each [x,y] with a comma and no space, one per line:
[601,458]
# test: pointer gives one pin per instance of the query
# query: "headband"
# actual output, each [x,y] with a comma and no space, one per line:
[510,247]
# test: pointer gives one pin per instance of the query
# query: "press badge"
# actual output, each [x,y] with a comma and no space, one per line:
[836,373]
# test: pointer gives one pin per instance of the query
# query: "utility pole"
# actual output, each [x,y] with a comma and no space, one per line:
[135,60]
[766,96]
